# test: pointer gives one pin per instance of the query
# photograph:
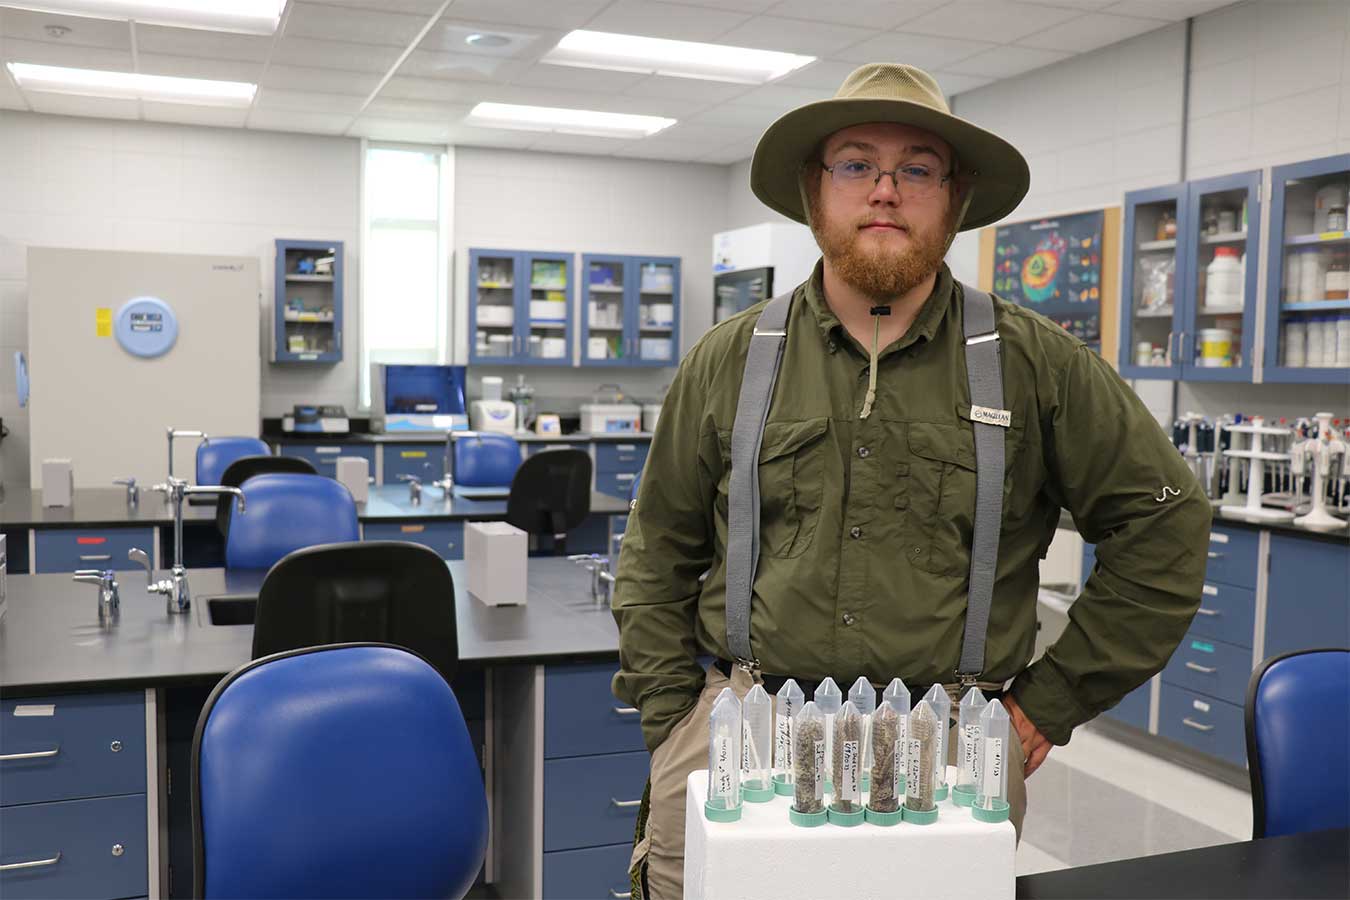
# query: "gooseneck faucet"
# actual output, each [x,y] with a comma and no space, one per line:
[178,432]
[175,588]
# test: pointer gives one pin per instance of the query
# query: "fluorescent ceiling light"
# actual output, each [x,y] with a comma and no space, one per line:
[680,59]
[566,121]
[250,16]
[132,86]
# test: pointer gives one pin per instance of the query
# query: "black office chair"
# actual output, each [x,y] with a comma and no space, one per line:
[244,468]
[392,592]
[551,494]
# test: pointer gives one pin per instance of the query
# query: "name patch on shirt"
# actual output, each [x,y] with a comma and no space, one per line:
[989,416]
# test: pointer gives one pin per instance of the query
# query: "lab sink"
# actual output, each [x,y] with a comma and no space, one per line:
[231,610]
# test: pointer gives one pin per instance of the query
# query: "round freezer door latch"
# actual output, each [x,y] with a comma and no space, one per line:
[146,327]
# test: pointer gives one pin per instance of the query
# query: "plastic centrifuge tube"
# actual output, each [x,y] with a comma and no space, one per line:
[790,701]
[968,742]
[942,708]
[888,763]
[724,759]
[991,800]
[757,746]
[808,767]
[828,698]
[921,752]
[864,696]
[846,803]
[898,695]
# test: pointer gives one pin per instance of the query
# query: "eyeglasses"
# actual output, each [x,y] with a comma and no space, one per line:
[859,176]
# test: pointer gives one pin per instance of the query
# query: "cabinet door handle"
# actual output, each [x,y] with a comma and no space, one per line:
[624,804]
[31,864]
[1206,612]
[1196,667]
[1196,725]
[1171,336]
[625,711]
[37,754]
[331,451]
[626,895]
[1212,555]
[95,557]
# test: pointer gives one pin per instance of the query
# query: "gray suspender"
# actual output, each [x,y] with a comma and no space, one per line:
[988,417]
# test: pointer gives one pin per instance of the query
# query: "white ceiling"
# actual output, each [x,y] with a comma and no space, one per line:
[400,70]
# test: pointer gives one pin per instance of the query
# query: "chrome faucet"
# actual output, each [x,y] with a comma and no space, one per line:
[447,483]
[602,579]
[176,432]
[133,492]
[414,489]
[175,587]
[109,604]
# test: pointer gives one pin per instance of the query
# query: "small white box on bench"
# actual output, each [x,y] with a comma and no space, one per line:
[495,555]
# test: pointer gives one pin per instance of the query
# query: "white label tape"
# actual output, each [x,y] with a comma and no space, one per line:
[45,710]
[989,416]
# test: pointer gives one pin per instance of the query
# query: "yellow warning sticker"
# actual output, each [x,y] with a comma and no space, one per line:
[103,321]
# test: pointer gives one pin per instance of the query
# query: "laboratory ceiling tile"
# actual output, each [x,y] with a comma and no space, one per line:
[309,101]
[199,67]
[415,110]
[188,114]
[298,120]
[1167,10]
[464,66]
[1006,61]
[572,78]
[21,24]
[328,81]
[48,54]
[823,73]
[400,129]
[421,7]
[451,35]
[989,20]
[953,84]
[688,89]
[408,88]
[779,97]
[1089,32]
[558,14]
[874,14]
[200,42]
[346,55]
[363,26]
[667,20]
[795,36]
[920,50]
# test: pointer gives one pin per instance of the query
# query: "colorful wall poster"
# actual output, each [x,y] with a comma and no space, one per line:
[1054,266]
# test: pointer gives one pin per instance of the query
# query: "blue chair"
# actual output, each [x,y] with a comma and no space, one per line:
[337,771]
[215,454]
[486,460]
[285,512]
[1298,742]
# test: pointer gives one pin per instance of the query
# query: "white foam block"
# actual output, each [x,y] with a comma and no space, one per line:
[354,472]
[58,482]
[496,555]
[765,857]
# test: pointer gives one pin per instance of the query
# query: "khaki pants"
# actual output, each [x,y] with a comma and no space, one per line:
[686,750]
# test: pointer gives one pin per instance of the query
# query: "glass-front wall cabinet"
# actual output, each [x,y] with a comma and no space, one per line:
[1153,269]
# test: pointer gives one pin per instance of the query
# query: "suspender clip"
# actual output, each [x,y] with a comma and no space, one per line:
[749,666]
[981,338]
[967,680]
[769,333]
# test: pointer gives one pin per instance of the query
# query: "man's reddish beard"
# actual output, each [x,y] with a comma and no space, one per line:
[879,274]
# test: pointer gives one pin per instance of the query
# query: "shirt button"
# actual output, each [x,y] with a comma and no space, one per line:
[849,618]
[863,453]
[830,347]
[856,532]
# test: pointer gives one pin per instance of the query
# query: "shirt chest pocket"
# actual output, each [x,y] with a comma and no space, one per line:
[791,484]
[936,497]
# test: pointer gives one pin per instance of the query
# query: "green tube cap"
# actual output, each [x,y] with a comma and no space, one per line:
[940,793]
[782,787]
[918,817]
[846,819]
[963,796]
[807,820]
[757,794]
[998,814]
[885,818]
[717,814]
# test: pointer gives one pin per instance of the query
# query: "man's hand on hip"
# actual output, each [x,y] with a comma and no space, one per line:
[1035,746]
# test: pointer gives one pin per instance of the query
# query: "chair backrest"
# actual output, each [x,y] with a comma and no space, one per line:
[1298,742]
[244,468]
[216,453]
[486,460]
[551,494]
[284,512]
[394,592]
[339,771]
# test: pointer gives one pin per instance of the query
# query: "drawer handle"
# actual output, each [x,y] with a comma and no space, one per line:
[1212,555]
[32,864]
[624,477]
[617,896]
[626,448]
[1206,612]
[37,754]
[1196,667]
[328,450]
[450,545]
[625,711]
[624,804]
[95,557]
[1196,725]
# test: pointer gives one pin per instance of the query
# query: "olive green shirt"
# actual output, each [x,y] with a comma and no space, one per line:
[865,527]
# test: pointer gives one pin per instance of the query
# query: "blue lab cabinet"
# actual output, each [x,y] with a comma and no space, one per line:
[1169,310]
[325,456]
[520,307]
[617,465]
[68,549]
[426,461]
[630,310]
[1306,605]
[307,304]
[1294,232]
[446,538]
[1134,708]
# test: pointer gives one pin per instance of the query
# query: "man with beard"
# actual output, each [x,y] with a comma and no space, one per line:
[859,478]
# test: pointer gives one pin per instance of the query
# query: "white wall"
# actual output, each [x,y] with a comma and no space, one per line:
[519,200]
[104,184]
[743,207]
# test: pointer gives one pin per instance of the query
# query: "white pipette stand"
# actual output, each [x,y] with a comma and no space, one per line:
[1256,471]
[1322,449]
[765,857]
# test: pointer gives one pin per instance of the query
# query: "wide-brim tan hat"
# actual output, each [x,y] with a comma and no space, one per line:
[887,92]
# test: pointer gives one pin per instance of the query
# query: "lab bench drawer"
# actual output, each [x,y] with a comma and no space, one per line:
[596,873]
[616,484]
[68,549]
[1210,667]
[1226,613]
[533,447]
[1232,556]
[1307,598]
[582,716]
[619,456]
[1134,708]
[592,800]
[446,538]
[96,848]
[1203,723]
[426,461]
[324,456]
[98,742]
